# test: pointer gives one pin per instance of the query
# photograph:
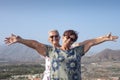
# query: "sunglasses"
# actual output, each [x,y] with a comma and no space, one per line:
[68,37]
[54,36]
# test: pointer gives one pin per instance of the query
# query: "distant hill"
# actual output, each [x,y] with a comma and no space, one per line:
[21,53]
[108,54]
[105,55]
[18,53]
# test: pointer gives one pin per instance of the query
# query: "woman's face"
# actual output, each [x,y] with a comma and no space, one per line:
[68,40]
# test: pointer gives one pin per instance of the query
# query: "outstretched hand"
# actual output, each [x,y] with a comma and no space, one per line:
[10,40]
[111,37]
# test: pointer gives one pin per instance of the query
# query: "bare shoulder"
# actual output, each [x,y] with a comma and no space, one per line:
[75,45]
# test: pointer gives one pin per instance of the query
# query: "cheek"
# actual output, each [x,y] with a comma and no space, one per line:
[65,40]
[50,40]
[70,43]
[57,39]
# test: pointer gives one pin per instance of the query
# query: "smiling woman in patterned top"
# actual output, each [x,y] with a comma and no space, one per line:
[64,60]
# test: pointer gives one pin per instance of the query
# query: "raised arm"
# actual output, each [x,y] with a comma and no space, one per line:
[92,42]
[39,47]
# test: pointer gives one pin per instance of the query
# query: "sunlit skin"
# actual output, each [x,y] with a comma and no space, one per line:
[66,44]
[54,38]
[67,41]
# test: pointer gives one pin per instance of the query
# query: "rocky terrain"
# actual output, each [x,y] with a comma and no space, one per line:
[104,65]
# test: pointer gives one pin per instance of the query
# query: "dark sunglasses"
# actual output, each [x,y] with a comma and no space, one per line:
[54,36]
[68,37]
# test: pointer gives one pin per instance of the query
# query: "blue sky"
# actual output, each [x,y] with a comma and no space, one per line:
[32,19]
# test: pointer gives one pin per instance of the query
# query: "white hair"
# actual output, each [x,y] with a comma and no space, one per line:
[53,30]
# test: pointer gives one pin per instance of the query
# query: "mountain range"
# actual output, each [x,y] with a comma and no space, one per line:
[104,55]
[21,53]
[18,53]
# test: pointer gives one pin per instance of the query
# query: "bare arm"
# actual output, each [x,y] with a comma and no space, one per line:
[92,42]
[39,47]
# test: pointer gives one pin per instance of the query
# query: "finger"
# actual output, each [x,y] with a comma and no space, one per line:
[115,37]
[109,34]
[9,44]
[7,38]
[13,35]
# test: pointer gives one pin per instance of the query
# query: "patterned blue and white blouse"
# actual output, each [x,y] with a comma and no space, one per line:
[65,65]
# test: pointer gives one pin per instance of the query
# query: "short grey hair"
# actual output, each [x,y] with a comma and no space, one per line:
[53,30]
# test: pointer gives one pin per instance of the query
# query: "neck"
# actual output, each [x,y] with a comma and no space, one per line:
[65,47]
[57,45]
